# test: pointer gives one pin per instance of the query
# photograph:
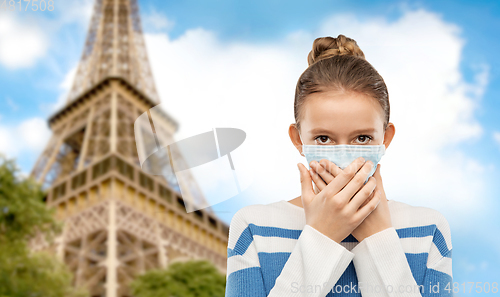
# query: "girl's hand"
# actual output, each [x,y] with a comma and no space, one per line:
[332,211]
[379,219]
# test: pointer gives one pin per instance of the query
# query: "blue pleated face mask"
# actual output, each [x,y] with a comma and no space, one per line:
[343,154]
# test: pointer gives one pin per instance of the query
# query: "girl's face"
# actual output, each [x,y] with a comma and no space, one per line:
[332,118]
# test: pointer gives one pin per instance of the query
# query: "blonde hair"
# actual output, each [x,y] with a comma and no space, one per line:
[339,64]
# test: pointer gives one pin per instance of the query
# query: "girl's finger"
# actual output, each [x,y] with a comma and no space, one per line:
[322,172]
[365,210]
[317,180]
[329,166]
[306,184]
[370,197]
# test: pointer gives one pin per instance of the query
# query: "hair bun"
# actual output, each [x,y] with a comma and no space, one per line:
[326,47]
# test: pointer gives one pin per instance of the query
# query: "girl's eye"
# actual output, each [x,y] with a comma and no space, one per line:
[322,139]
[364,138]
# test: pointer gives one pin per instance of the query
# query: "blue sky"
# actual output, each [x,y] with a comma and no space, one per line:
[419,48]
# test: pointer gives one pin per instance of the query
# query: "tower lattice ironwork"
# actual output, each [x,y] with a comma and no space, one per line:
[118,220]
[114,47]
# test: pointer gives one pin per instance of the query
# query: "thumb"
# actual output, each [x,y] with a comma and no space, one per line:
[305,183]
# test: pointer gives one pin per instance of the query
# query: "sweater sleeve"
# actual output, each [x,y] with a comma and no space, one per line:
[382,267]
[312,269]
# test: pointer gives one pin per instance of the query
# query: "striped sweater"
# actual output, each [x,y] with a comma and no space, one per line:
[272,252]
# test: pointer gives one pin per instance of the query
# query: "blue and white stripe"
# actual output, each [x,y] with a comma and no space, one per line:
[262,238]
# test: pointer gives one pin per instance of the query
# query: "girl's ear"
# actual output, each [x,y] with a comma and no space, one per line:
[293,133]
[389,134]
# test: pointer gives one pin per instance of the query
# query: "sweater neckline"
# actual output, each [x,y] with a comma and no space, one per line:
[302,209]
[292,205]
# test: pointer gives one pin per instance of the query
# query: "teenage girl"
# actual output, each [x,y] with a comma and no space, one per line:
[344,236]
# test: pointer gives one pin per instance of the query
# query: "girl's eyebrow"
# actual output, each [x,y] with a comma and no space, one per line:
[321,130]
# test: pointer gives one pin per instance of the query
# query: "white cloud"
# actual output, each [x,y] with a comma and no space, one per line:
[22,43]
[207,83]
[26,38]
[30,136]
[156,21]
[34,133]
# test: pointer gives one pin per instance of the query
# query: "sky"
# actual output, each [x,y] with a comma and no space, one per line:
[438,58]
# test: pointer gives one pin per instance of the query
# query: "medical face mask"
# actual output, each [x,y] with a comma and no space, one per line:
[343,154]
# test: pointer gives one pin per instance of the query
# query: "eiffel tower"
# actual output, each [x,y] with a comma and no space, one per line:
[118,220]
